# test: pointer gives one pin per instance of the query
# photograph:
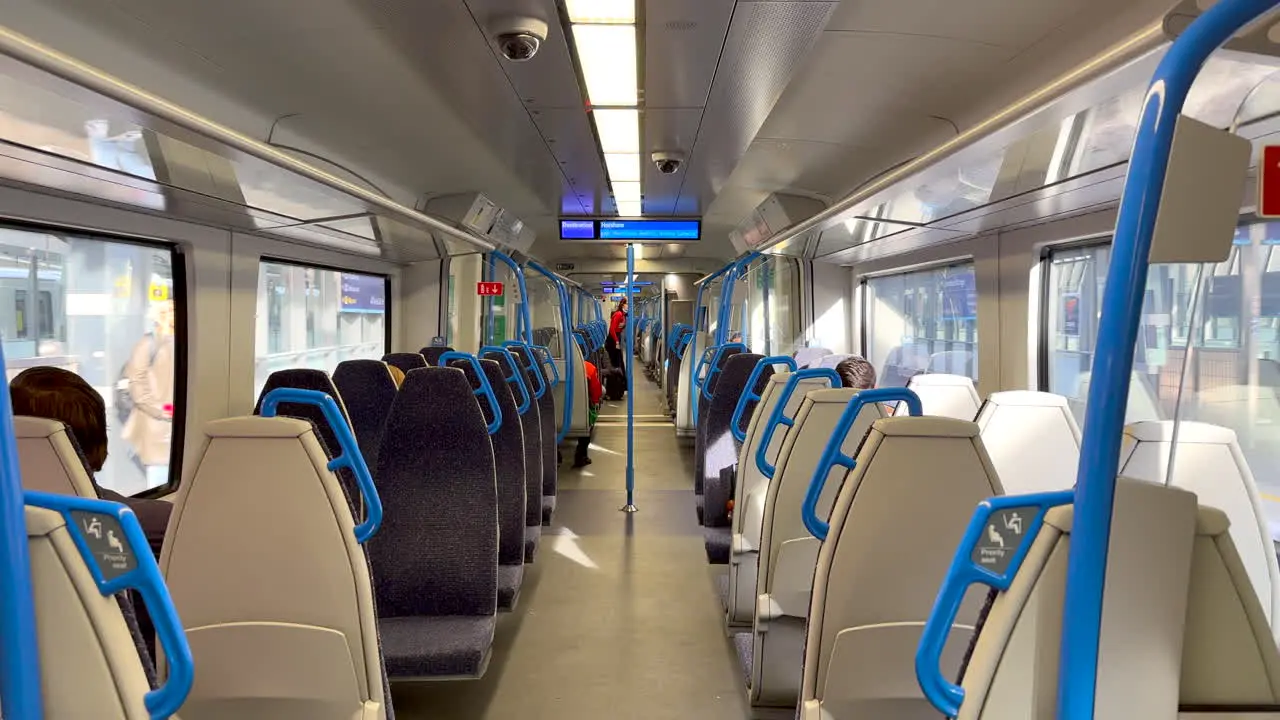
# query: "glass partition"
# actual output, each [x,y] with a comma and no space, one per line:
[464,311]
[772,295]
[921,322]
[502,313]
[544,307]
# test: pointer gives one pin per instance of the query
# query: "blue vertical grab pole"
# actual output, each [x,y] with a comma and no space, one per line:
[20,697]
[1117,332]
[628,361]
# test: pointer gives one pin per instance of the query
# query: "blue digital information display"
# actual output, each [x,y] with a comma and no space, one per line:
[615,230]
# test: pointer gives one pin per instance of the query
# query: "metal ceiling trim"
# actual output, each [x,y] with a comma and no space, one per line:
[63,66]
[1145,40]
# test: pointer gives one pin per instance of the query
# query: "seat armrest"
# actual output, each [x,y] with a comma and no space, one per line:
[742,545]
[767,609]
[812,710]
[371,711]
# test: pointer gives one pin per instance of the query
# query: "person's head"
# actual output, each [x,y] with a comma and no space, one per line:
[396,374]
[58,394]
[622,305]
[162,315]
[856,372]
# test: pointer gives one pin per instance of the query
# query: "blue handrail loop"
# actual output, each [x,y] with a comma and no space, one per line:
[779,416]
[749,394]
[983,558]
[507,360]
[832,455]
[548,361]
[127,564]
[20,689]
[485,390]
[349,457]
[566,330]
[1117,333]
[526,358]
[524,322]
[699,318]
[705,386]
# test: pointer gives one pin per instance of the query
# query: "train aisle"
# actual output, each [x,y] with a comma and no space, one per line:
[618,617]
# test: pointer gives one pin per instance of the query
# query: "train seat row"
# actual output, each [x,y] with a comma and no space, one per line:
[343,573]
[802,593]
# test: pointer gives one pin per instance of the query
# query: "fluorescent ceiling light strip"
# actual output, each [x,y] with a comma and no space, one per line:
[608,57]
[630,209]
[623,167]
[626,191]
[619,130]
[602,11]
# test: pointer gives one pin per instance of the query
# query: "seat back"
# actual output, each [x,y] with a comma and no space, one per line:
[713,373]
[1032,439]
[797,461]
[916,481]
[531,442]
[579,425]
[1208,462]
[684,388]
[951,396]
[546,418]
[437,551]
[432,354]
[806,356]
[50,459]
[1175,588]
[832,360]
[319,380]
[367,390]
[405,361]
[1142,401]
[720,447]
[508,454]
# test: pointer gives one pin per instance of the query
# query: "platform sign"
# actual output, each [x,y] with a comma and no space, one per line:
[1269,182]
[488,288]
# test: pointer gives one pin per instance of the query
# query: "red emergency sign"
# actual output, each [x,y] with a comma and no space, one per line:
[488,288]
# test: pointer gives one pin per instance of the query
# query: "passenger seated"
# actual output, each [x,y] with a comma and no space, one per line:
[57,394]
[857,372]
[396,374]
[595,392]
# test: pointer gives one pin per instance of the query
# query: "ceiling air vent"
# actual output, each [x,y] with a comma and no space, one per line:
[482,216]
[771,217]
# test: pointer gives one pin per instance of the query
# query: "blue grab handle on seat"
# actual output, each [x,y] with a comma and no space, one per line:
[506,357]
[547,361]
[132,566]
[485,390]
[779,415]
[540,388]
[832,456]
[350,457]
[714,368]
[749,394]
[979,547]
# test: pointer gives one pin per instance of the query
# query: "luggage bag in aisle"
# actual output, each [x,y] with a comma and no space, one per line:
[615,384]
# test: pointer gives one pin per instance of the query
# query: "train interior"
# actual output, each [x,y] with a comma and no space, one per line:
[814,359]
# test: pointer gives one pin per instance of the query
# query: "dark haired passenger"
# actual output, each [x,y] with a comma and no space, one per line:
[857,372]
[57,394]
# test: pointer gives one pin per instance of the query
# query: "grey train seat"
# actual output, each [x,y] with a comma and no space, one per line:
[435,558]
[547,422]
[90,666]
[508,456]
[712,374]
[1208,462]
[788,552]
[579,416]
[405,361]
[1184,635]
[367,390]
[1142,399]
[298,636]
[693,350]
[914,487]
[432,354]
[751,493]
[831,361]
[49,458]
[720,454]
[1032,439]
[807,356]
[531,442]
[951,396]
[319,380]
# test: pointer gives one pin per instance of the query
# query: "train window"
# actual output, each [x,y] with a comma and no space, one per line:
[924,321]
[311,317]
[544,309]
[770,293]
[1233,374]
[105,311]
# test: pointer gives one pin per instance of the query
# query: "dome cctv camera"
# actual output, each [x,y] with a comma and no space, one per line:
[668,162]
[518,38]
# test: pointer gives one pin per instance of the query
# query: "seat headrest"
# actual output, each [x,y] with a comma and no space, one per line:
[940,380]
[927,426]
[1188,432]
[945,395]
[257,427]
[1026,398]
[831,395]
[432,354]
[26,427]
[428,394]
[405,361]
[830,361]
[806,356]
[369,376]
[50,459]
[306,379]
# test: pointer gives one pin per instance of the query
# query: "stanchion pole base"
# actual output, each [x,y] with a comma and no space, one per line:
[629,509]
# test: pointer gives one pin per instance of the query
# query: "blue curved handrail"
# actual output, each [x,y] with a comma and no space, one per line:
[779,416]
[749,394]
[20,689]
[705,386]
[943,694]
[144,577]
[485,390]
[350,456]
[1117,334]
[736,271]
[674,336]
[505,357]
[526,361]
[698,322]
[562,290]
[547,360]
[524,321]
[832,456]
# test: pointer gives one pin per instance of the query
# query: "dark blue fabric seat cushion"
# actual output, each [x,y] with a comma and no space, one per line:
[720,447]
[442,646]
[405,361]
[510,577]
[717,541]
[367,390]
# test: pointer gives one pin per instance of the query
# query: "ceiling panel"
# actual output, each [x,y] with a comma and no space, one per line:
[666,130]
[683,40]
[548,80]
[993,22]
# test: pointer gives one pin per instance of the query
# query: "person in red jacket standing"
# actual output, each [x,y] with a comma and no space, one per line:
[614,344]
[594,393]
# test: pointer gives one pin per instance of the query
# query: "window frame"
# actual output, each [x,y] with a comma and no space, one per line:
[1043,350]
[386,288]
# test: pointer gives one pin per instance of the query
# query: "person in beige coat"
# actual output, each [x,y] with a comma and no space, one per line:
[149,429]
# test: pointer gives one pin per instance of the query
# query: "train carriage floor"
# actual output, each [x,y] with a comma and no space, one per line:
[618,617]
